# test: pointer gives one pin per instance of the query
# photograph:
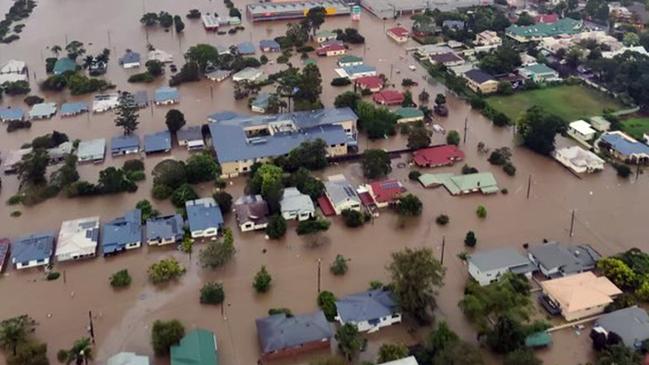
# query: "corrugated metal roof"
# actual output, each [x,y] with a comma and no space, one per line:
[32,247]
[157,142]
[366,306]
[278,332]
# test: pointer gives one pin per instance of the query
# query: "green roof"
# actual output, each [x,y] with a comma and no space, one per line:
[562,26]
[538,339]
[349,59]
[409,112]
[326,33]
[309,61]
[198,347]
[63,65]
[483,181]
[428,180]
[539,69]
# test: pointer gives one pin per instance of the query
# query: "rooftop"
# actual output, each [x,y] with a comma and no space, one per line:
[246,48]
[198,347]
[539,69]
[294,201]
[74,108]
[124,142]
[340,190]
[478,76]
[409,112]
[580,291]
[128,358]
[366,306]
[13,66]
[129,57]
[446,57]
[370,82]
[78,236]
[359,69]
[190,133]
[42,110]
[438,155]
[386,191]
[349,59]
[569,259]
[624,144]
[157,142]
[410,360]
[122,231]
[388,97]
[9,113]
[165,227]
[63,65]
[278,332]
[203,214]
[399,31]
[251,208]
[560,27]
[166,94]
[300,7]
[269,43]
[91,149]
[499,258]
[582,127]
[631,324]
[32,247]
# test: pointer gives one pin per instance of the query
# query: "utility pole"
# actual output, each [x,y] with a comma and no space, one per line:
[91,328]
[441,261]
[529,186]
[466,127]
[319,264]
[637,171]
[572,223]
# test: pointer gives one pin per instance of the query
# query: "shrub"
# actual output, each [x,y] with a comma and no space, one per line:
[262,280]
[15,214]
[376,285]
[339,266]
[442,219]
[165,270]
[15,199]
[410,206]
[501,119]
[135,176]
[353,218]
[53,275]
[340,81]
[500,156]
[33,99]
[133,165]
[164,334]
[312,226]
[466,169]
[120,279]
[276,227]
[224,200]
[478,103]
[509,169]
[470,240]
[623,170]
[141,77]
[286,311]
[414,175]
[453,137]
[212,293]
[327,302]
[481,212]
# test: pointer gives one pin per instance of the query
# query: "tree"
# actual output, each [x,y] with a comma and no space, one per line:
[339,266]
[441,338]
[453,137]
[377,122]
[170,173]
[506,336]
[312,155]
[312,226]
[538,129]
[622,170]
[481,212]
[407,100]
[80,352]
[155,68]
[442,219]
[29,353]
[353,218]
[32,167]
[120,279]
[522,357]
[391,352]
[375,163]
[409,206]
[347,99]
[126,113]
[113,180]
[276,227]
[424,96]
[419,137]
[309,87]
[618,272]
[147,19]
[597,9]
[164,334]
[329,360]
[307,183]
[459,353]
[416,276]
[165,19]
[525,19]
[212,293]
[147,210]
[218,253]
[178,24]
[315,17]
[267,181]
[262,280]
[470,239]
[14,332]
[349,340]
[440,99]
[175,120]
[183,194]
[201,167]
[619,355]
[224,200]
[500,156]
[327,302]
[503,59]
[165,270]
[202,55]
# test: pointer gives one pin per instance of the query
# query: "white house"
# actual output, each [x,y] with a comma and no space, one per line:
[203,217]
[341,194]
[487,266]
[582,132]
[78,239]
[248,74]
[32,250]
[369,311]
[579,160]
[295,205]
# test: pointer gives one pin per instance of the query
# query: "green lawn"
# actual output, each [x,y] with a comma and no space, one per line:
[636,127]
[570,102]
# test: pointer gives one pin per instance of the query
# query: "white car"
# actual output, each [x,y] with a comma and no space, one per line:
[412,67]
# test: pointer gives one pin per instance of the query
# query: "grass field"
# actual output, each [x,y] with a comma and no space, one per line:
[636,127]
[570,102]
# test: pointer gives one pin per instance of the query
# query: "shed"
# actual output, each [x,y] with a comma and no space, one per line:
[157,142]
[191,137]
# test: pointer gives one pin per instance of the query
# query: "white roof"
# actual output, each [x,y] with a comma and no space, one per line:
[579,156]
[128,358]
[13,66]
[12,77]
[410,360]
[294,201]
[582,127]
[248,73]
[78,237]
[160,55]
[105,102]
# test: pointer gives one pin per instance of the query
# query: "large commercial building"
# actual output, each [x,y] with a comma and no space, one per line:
[294,10]
[386,9]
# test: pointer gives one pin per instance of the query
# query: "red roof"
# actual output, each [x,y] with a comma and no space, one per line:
[369,82]
[437,156]
[399,31]
[330,48]
[366,198]
[388,97]
[387,191]
[326,207]
[546,18]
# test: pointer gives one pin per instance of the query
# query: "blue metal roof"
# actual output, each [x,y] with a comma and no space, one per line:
[157,142]
[623,145]
[121,231]
[9,113]
[63,65]
[203,214]
[269,43]
[221,116]
[357,69]
[246,48]
[130,57]
[124,142]
[32,247]
[366,306]
[166,227]
[478,76]
[74,108]
[165,94]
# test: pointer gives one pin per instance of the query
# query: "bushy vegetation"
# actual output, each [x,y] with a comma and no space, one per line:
[120,279]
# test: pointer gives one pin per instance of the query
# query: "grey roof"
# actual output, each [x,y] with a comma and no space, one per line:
[130,57]
[570,259]
[499,258]
[4,250]
[278,332]
[246,48]
[119,143]
[203,214]
[191,133]
[261,101]
[157,142]
[367,306]
[340,191]
[454,24]
[42,110]
[167,227]
[358,69]
[10,113]
[121,231]
[74,108]
[222,116]
[141,98]
[166,94]
[269,43]
[478,76]
[93,149]
[631,324]
[32,247]
[251,208]
[294,201]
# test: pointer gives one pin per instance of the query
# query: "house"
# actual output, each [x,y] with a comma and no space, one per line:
[248,74]
[210,22]
[488,38]
[72,109]
[453,24]
[13,71]
[622,147]
[369,311]
[246,48]
[191,137]
[260,102]
[32,250]
[251,212]
[10,114]
[630,324]
[580,295]
[293,10]
[4,252]
[160,56]
[124,145]
[339,195]
[546,18]
[105,102]
[166,95]
[539,73]
[64,65]
[409,115]
[555,259]
[388,97]
[371,83]
[536,32]
[78,239]
[331,50]
[203,217]
[600,123]
[93,150]
[582,132]
[281,336]
[487,266]
[332,42]
[480,81]
[58,153]
[355,72]
[12,159]
[385,192]
[295,205]
[578,160]
[42,111]
[122,233]
[218,75]
[269,45]
[157,142]
[483,182]
[128,358]
[428,50]
[398,34]
[130,59]
[350,60]
[198,347]
[141,99]
[97,66]
[448,59]
[164,230]
[445,155]
[325,35]
[410,360]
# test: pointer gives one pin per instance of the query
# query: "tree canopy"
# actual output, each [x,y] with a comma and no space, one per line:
[126,113]
[537,128]
[376,164]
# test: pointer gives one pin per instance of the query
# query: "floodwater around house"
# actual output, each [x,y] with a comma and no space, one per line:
[610,214]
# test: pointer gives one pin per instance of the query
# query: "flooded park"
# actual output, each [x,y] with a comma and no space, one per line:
[610,213]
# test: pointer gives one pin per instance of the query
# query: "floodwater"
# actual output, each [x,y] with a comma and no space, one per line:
[609,212]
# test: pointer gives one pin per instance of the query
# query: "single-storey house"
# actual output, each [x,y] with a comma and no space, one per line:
[4,252]
[580,295]
[488,38]
[325,35]
[128,358]
[248,74]
[78,239]
[130,59]
[42,111]
[630,324]
[210,22]
[295,205]
[579,160]
[141,99]
[164,230]
[622,147]
[251,212]
[12,159]
[446,155]
[582,132]
[93,150]
[409,115]
[32,250]
[555,259]
[487,266]
[480,81]
[355,72]
[398,34]
[350,60]
[198,347]
[191,137]
[331,50]
[124,145]
[105,102]
[259,103]
[246,48]
[388,97]
[160,56]
[369,311]
[122,233]
[58,153]
[449,59]
[600,123]
[269,45]
[64,65]
[340,195]
[203,217]
[166,95]
[385,192]
[218,75]
[74,108]
[281,336]
[371,83]
[483,182]
[539,73]
[11,114]
[157,142]
[13,67]
[453,24]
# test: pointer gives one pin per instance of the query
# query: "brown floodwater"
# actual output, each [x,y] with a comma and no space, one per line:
[610,214]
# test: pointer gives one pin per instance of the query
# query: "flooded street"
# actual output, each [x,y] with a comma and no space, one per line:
[610,213]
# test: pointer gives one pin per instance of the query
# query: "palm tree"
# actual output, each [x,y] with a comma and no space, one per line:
[80,352]
[56,49]
[14,331]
